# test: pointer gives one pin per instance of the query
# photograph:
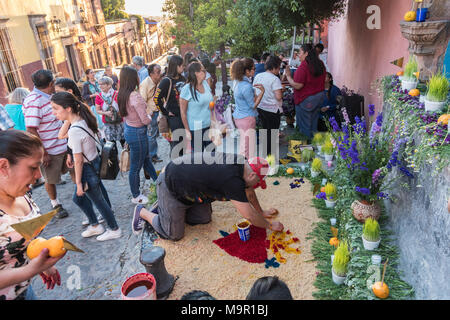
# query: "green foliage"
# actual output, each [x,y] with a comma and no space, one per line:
[330,191]
[371,230]
[318,139]
[328,148]
[307,155]
[140,23]
[341,259]
[297,136]
[114,9]
[316,165]
[410,68]
[438,87]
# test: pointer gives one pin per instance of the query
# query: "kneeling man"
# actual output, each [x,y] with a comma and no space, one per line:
[189,184]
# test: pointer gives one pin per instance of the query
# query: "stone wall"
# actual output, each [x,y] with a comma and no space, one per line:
[420,222]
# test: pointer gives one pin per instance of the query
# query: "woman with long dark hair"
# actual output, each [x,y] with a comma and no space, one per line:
[21,156]
[173,81]
[68,85]
[133,109]
[328,108]
[309,86]
[195,98]
[242,70]
[83,140]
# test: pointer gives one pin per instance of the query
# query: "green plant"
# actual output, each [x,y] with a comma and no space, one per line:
[307,155]
[316,165]
[318,138]
[341,259]
[371,230]
[330,191]
[438,87]
[297,136]
[327,148]
[410,68]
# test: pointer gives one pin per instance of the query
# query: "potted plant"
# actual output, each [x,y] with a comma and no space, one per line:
[340,263]
[409,79]
[330,192]
[317,140]
[316,167]
[328,150]
[437,91]
[307,155]
[371,234]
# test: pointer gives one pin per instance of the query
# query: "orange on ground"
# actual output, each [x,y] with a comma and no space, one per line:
[444,119]
[400,73]
[334,241]
[290,171]
[380,289]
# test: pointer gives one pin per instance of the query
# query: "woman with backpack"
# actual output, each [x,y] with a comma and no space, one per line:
[83,140]
[107,107]
[133,109]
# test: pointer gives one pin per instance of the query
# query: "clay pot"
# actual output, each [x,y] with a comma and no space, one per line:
[363,210]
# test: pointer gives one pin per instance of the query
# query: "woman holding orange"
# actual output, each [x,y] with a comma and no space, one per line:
[20,158]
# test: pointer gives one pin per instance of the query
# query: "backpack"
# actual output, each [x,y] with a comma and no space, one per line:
[109,158]
[116,118]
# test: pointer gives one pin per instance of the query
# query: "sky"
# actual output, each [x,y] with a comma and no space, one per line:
[144,7]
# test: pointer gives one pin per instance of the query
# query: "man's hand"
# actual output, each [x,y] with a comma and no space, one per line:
[276,226]
[69,161]
[324,109]
[46,160]
[80,191]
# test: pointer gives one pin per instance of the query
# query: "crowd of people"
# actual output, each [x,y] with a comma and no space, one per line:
[59,127]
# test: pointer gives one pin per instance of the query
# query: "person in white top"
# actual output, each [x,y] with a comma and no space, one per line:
[83,140]
[295,61]
[269,108]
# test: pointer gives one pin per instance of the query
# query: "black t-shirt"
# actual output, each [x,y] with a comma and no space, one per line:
[173,104]
[207,177]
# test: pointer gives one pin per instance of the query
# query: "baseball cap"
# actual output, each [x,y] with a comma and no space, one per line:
[261,167]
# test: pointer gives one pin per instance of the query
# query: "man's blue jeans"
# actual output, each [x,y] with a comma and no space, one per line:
[153,134]
[96,193]
[307,114]
[139,156]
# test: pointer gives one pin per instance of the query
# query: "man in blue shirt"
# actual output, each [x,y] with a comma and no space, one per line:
[138,64]
[260,67]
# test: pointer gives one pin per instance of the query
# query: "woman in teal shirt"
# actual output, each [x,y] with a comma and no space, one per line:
[195,98]
[14,108]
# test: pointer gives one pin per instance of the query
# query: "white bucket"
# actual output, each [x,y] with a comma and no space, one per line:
[330,204]
[433,105]
[370,245]
[337,279]
[314,173]
[328,157]
[409,85]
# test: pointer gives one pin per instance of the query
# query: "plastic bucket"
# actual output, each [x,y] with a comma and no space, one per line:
[421,14]
[141,286]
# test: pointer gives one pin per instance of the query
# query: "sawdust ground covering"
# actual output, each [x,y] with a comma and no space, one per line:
[202,265]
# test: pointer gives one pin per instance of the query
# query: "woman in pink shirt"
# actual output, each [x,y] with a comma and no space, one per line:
[132,108]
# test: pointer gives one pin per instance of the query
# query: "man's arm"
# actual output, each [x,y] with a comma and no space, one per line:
[249,213]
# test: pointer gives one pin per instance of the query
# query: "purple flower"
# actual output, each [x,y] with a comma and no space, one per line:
[362,190]
[382,195]
[379,120]
[406,172]
[322,195]
[371,109]
[334,124]
[376,175]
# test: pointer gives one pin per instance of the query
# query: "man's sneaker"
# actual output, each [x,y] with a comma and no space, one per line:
[93,231]
[156,159]
[137,223]
[110,234]
[60,212]
[99,218]
[140,199]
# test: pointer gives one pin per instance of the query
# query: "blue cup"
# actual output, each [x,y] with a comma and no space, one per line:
[421,14]
[244,230]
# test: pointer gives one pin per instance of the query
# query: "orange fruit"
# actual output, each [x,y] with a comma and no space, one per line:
[290,171]
[400,73]
[334,242]
[322,189]
[381,290]
[444,119]
[35,247]
[414,92]
[211,105]
[55,246]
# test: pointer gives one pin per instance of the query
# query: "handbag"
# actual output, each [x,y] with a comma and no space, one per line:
[109,162]
[125,159]
[163,123]
[115,118]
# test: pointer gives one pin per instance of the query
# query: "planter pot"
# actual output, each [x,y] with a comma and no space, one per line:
[337,279]
[370,245]
[362,211]
[434,105]
[330,204]
[273,170]
[328,157]
[319,148]
[409,85]
[314,173]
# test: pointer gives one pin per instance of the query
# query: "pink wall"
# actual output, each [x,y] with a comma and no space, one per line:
[358,56]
